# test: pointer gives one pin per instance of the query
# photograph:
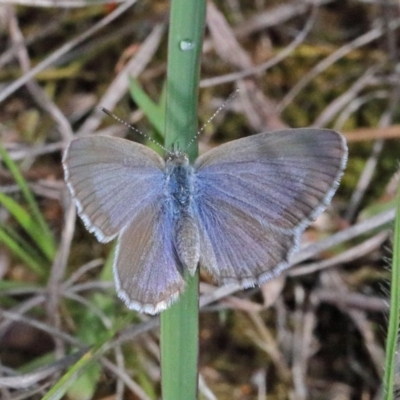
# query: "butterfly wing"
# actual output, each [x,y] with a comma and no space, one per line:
[147,271]
[256,195]
[111,180]
[118,186]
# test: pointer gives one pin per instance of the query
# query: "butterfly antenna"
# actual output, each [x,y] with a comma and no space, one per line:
[221,107]
[108,112]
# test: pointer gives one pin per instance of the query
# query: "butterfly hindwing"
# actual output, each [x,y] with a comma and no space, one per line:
[147,270]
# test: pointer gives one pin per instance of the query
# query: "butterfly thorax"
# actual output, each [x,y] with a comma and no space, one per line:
[179,180]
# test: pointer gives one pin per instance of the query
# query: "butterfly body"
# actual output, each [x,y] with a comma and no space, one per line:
[179,198]
[238,211]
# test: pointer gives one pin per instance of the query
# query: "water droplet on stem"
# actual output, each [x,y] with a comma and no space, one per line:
[186,45]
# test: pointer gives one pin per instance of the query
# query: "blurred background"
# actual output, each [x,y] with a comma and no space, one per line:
[318,331]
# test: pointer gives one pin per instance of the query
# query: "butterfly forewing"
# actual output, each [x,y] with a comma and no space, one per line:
[111,180]
[256,195]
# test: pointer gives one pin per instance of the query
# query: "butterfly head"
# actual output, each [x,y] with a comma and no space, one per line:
[176,157]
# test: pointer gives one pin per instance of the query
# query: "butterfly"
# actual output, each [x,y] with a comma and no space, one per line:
[238,211]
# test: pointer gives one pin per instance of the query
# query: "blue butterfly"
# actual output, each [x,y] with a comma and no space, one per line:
[238,211]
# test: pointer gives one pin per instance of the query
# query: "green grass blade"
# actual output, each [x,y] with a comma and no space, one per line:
[179,324]
[103,339]
[153,111]
[48,246]
[394,317]
[60,388]
[33,262]
[179,345]
[15,285]
[26,221]
[27,247]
